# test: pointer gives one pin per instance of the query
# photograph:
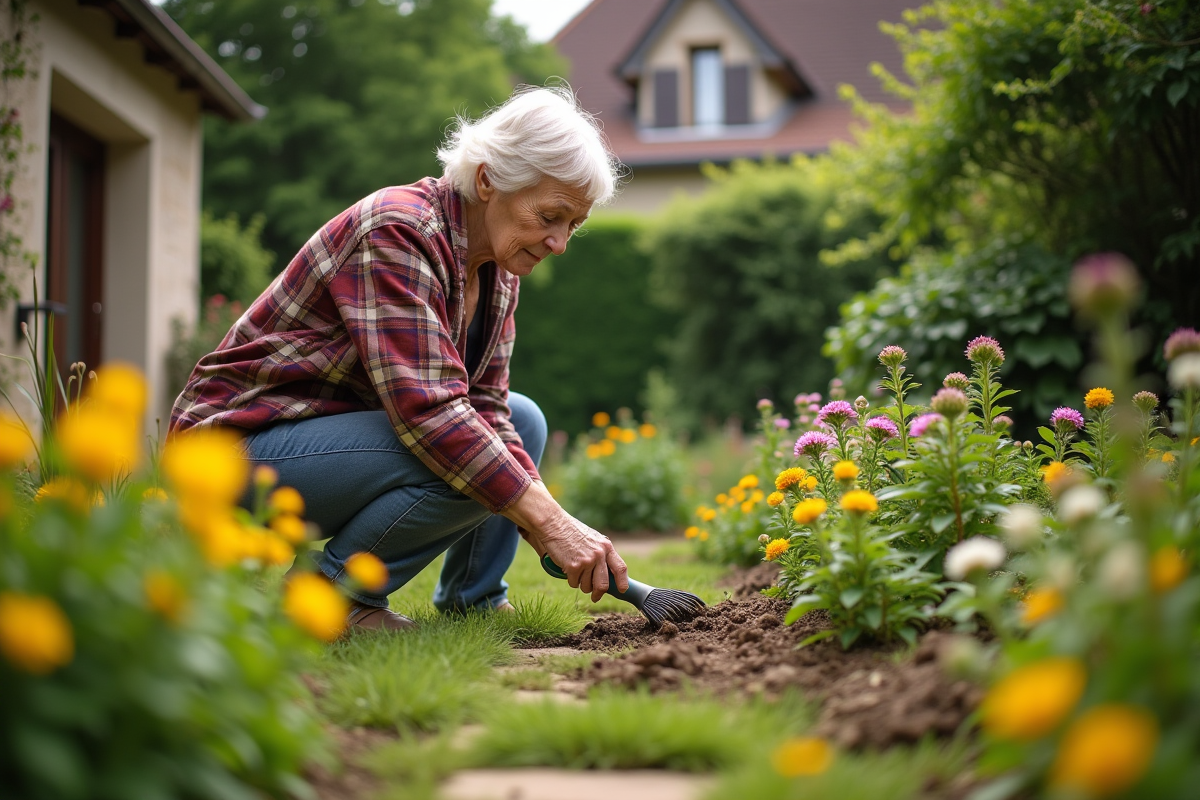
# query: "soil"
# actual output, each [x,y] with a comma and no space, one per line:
[348,778]
[746,582]
[869,696]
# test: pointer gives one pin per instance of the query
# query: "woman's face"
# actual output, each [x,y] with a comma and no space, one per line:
[522,228]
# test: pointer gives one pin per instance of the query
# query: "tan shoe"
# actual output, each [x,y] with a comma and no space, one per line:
[376,618]
[506,607]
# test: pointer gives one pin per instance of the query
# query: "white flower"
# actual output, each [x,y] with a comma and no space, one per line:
[1184,372]
[1123,571]
[1062,572]
[978,552]
[1080,503]
[1022,526]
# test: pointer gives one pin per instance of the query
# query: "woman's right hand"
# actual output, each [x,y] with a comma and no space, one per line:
[585,555]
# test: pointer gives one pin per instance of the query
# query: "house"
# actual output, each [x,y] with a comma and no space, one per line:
[677,83]
[107,196]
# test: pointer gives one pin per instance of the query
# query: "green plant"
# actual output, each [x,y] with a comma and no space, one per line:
[188,346]
[625,478]
[233,263]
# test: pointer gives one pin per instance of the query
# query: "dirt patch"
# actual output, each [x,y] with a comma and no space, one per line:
[868,696]
[351,778]
[746,582]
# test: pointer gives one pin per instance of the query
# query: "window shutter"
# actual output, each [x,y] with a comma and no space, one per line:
[737,94]
[666,98]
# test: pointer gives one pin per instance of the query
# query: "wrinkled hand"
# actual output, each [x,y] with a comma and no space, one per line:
[585,555]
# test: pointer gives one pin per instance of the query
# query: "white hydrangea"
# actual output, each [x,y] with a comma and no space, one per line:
[978,552]
[1022,525]
[1080,503]
[1123,571]
[1184,372]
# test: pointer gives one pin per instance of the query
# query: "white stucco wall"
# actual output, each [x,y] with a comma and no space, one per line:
[153,132]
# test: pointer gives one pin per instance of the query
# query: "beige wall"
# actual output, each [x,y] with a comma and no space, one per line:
[152,183]
[701,23]
[651,188]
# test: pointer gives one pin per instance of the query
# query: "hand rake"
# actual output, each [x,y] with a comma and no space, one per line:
[658,605]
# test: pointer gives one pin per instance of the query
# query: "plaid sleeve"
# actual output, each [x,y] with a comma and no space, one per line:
[489,396]
[390,291]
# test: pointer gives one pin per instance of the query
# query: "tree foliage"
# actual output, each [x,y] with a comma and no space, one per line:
[741,264]
[359,94]
[233,262]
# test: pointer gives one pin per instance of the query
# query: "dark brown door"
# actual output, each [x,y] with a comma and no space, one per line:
[74,266]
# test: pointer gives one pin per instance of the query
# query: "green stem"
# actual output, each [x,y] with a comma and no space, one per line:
[956,501]
[898,385]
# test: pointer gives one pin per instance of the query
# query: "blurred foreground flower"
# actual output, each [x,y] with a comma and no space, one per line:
[99,446]
[1031,701]
[15,444]
[1040,604]
[367,570]
[979,553]
[206,465]
[316,606]
[165,595]
[859,501]
[35,635]
[1103,284]
[806,755]
[1106,750]
[120,390]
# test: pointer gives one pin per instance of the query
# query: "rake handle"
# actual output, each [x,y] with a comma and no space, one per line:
[636,594]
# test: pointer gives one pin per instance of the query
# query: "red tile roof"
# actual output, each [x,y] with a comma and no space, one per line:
[830,42]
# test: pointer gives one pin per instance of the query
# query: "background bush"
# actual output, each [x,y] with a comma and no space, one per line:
[233,262]
[741,266]
[587,333]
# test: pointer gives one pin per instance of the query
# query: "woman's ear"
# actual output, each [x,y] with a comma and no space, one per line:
[483,184]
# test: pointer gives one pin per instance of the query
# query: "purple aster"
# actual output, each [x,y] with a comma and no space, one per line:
[804,419]
[985,350]
[881,428]
[919,424]
[814,407]
[1183,340]
[1063,416]
[814,444]
[837,413]
[782,424]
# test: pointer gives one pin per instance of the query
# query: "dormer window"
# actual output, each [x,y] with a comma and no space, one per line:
[708,87]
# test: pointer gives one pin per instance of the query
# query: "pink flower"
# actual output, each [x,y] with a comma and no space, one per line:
[881,428]
[919,424]
[1064,416]
[892,356]
[782,424]
[837,413]
[956,380]
[765,405]
[1183,340]
[7,204]
[814,444]
[985,350]
[1103,284]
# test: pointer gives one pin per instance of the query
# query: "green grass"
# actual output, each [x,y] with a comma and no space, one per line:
[540,617]
[900,773]
[413,766]
[427,679]
[633,730]
[532,680]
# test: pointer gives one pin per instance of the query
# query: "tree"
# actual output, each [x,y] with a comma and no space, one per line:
[359,94]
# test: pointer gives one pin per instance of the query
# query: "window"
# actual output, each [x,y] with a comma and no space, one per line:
[708,87]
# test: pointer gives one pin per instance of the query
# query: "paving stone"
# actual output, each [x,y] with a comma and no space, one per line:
[541,783]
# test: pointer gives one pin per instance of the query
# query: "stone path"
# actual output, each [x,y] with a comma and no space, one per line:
[541,783]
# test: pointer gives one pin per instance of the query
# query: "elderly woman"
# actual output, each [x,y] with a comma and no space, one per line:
[373,372]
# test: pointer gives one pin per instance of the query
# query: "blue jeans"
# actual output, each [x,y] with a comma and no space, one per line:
[371,495]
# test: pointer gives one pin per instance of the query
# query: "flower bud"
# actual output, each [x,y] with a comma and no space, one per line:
[1022,526]
[1002,422]
[765,405]
[861,404]
[985,350]
[892,356]
[1146,402]
[956,380]
[763,538]
[1103,284]
[950,403]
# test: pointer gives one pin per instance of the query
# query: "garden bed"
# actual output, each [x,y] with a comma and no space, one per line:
[869,696]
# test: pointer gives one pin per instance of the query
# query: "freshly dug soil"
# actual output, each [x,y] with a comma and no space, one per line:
[868,699]
[746,582]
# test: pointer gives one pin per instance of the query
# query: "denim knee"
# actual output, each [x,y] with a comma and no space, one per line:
[530,422]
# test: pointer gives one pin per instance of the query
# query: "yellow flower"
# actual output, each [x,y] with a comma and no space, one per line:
[368,570]
[221,538]
[593,451]
[691,531]
[612,432]
[120,389]
[789,477]
[776,548]
[265,476]
[704,536]
[15,444]
[607,447]
[722,498]
[737,493]
[1168,458]
[845,471]
[748,482]
[315,606]
[647,430]
[35,635]
[69,491]
[97,445]
[1106,750]
[276,551]
[1031,701]
[809,509]
[807,755]
[747,506]
[206,465]
[628,435]
[756,496]
[290,527]
[601,419]
[1168,568]
[154,494]
[165,595]
[859,501]
[775,499]
[809,484]
[286,500]
[1098,398]
[1041,604]
[706,514]
[1055,471]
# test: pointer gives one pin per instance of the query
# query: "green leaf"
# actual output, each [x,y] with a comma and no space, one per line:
[873,616]
[941,522]
[1176,91]
[851,596]
[1047,435]
[850,636]
[816,637]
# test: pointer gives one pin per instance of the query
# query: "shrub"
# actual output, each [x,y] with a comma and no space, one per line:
[233,262]
[188,346]
[625,477]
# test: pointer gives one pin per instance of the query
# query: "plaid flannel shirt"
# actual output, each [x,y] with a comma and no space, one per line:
[371,314]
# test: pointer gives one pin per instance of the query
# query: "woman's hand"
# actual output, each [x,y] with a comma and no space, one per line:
[584,555]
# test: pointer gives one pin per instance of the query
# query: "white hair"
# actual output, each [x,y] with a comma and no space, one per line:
[539,131]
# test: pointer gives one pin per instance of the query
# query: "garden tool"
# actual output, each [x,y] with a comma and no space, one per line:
[658,605]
